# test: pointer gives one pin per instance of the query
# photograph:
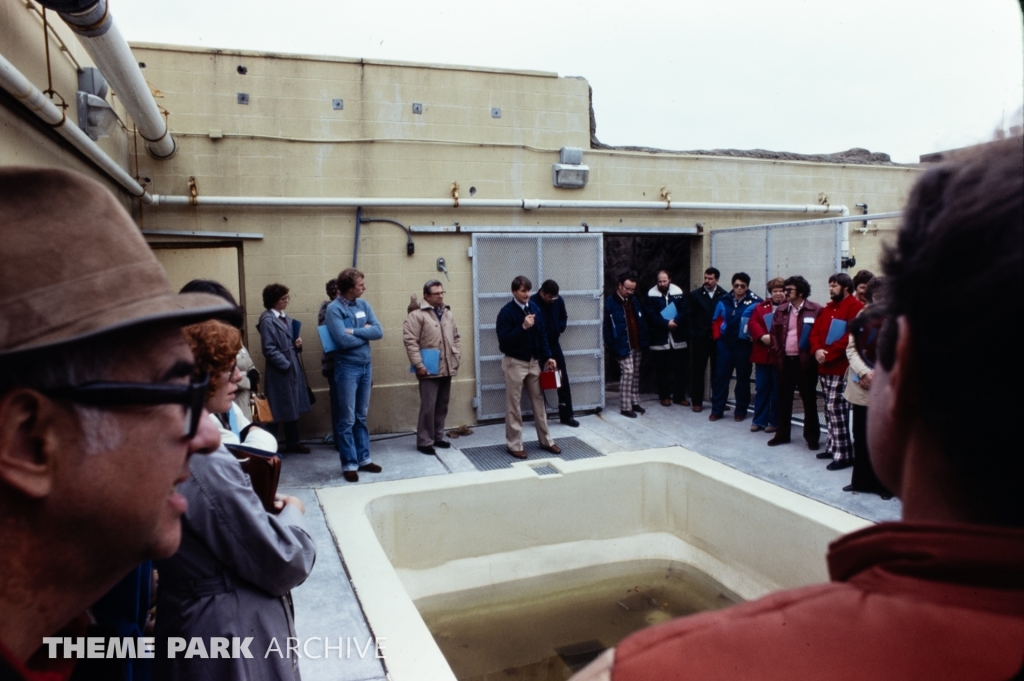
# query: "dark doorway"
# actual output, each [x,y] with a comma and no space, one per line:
[646,255]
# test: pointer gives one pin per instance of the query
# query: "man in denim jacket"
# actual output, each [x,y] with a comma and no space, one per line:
[352,326]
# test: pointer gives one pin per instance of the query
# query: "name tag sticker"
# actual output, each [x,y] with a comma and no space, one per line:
[808,320]
[360,314]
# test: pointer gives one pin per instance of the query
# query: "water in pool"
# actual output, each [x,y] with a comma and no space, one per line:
[547,628]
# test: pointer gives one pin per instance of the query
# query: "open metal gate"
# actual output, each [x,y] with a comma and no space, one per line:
[576,262]
[813,251]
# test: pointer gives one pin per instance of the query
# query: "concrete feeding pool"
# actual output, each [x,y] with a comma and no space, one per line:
[634,537]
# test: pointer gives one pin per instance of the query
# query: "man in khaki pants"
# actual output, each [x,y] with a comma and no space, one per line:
[432,328]
[523,340]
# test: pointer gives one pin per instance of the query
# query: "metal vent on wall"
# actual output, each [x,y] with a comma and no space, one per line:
[576,262]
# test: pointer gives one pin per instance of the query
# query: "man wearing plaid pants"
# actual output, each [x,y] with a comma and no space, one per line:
[625,336]
[829,338]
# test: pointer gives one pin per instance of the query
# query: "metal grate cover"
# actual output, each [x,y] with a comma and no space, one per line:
[495,457]
[576,262]
[545,470]
[779,250]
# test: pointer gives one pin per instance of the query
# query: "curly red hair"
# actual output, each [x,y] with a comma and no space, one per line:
[215,346]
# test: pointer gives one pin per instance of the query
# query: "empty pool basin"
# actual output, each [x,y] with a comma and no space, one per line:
[430,540]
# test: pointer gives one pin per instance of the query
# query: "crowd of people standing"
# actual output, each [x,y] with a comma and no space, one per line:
[789,342]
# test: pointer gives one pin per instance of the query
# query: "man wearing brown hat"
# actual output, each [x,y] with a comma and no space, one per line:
[99,409]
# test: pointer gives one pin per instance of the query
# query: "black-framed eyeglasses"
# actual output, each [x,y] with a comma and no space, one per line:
[111,394]
[866,330]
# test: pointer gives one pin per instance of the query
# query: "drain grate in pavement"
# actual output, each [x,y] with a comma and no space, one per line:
[545,470]
[494,457]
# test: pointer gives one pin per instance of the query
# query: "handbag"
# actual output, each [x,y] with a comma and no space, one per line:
[551,380]
[261,409]
[264,472]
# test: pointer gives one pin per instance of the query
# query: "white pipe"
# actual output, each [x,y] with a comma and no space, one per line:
[18,85]
[103,41]
[844,244]
[525,204]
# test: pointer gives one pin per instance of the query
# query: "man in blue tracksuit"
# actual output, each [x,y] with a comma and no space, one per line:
[352,325]
[729,329]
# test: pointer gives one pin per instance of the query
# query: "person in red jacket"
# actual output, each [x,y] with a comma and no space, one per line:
[829,339]
[940,595]
[766,375]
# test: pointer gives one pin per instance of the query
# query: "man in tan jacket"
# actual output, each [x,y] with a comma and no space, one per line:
[432,342]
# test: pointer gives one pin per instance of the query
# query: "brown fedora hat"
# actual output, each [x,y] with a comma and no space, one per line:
[75,265]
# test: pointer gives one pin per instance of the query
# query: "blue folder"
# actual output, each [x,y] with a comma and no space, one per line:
[768,317]
[296,326]
[431,358]
[836,330]
[670,312]
[325,339]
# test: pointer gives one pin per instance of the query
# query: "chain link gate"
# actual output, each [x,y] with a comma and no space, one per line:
[576,262]
[780,250]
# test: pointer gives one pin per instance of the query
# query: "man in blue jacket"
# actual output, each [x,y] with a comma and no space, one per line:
[729,329]
[556,319]
[523,340]
[625,336]
[352,325]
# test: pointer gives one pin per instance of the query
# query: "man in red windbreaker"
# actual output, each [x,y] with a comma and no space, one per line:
[829,338]
[766,374]
[940,595]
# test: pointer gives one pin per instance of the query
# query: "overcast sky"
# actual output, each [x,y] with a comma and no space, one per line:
[905,77]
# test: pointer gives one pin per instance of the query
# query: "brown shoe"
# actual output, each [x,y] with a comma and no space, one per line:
[554,449]
[737,417]
[714,417]
[683,403]
[698,408]
[520,454]
[754,428]
[666,403]
[771,429]
[351,476]
[370,468]
[296,449]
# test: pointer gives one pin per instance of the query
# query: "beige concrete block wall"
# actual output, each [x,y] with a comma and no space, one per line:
[355,153]
[289,142]
[21,143]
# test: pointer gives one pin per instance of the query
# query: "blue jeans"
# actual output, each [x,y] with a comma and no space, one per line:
[731,355]
[766,399]
[353,384]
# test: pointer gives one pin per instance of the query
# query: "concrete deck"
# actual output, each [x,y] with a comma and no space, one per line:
[326,605]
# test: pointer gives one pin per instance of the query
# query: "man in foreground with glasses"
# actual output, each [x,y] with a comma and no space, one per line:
[939,595]
[435,349]
[98,412]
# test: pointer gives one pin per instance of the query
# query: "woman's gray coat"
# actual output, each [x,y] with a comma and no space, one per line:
[231,577]
[284,384]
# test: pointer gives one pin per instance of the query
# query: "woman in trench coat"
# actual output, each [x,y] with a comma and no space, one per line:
[237,564]
[284,383]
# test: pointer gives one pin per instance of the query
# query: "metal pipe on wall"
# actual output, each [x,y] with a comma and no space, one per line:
[524,204]
[24,91]
[92,23]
